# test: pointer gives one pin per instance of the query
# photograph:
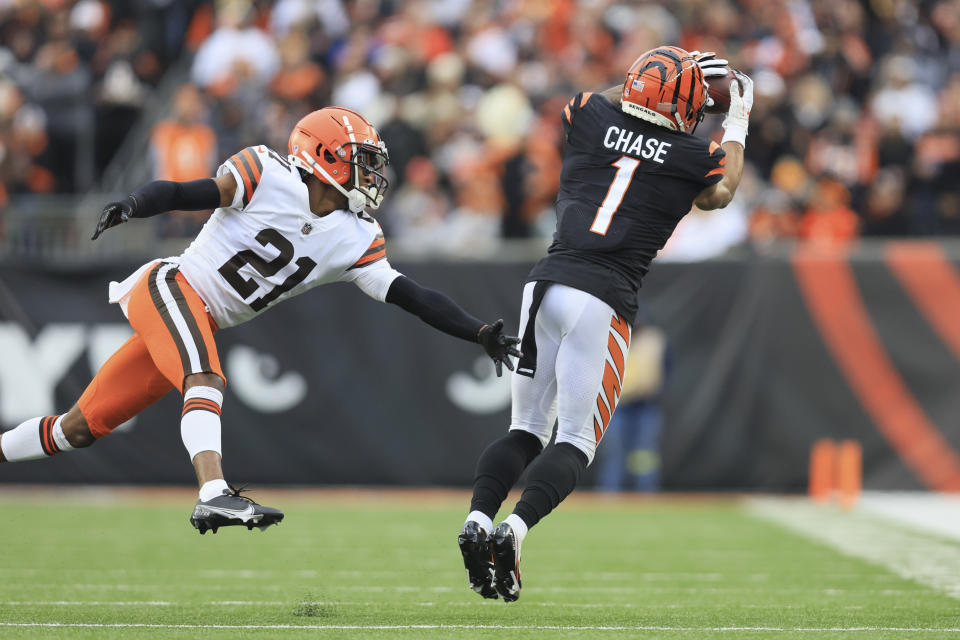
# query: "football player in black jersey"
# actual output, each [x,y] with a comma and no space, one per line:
[631,170]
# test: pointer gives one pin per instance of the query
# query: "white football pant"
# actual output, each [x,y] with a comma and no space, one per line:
[581,348]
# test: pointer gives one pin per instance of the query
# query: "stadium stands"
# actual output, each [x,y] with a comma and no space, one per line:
[856,127]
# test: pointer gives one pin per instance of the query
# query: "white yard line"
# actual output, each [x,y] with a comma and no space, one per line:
[492,627]
[371,603]
[909,553]
[628,591]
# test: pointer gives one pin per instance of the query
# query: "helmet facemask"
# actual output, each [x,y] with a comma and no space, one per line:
[367,182]
[369,161]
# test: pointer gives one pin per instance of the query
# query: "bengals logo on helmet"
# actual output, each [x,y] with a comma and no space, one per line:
[665,86]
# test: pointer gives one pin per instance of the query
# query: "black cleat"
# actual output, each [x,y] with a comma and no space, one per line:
[506,562]
[231,508]
[475,548]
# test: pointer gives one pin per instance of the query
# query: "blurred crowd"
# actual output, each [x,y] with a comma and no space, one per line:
[855,130]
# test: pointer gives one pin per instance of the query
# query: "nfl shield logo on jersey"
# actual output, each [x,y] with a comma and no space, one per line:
[306,228]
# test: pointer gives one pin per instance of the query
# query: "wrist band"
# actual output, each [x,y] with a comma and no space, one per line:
[735,133]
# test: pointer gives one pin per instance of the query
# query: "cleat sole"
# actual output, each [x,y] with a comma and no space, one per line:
[478,562]
[506,567]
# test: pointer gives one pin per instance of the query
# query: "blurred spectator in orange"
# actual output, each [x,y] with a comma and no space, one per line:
[829,220]
[773,219]
[298,77]
[184,147]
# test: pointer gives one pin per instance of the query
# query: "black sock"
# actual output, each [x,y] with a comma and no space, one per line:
[551,479]
[498,468]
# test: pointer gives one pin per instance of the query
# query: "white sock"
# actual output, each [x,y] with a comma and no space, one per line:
[34,438]
[59,436]
[213,489]
[200,421]
[518,525]
[23,441]
[481,519]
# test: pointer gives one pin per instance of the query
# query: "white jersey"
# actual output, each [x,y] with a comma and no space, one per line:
[267,246]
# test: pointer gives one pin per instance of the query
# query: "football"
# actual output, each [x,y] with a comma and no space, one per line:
[719,90]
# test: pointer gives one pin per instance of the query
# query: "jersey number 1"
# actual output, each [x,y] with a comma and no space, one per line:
[621,180]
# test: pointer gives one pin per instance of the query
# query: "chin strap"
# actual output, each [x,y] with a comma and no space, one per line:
[356,200]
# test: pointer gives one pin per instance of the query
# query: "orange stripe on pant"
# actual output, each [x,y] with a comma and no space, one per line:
[622,328]
[834,302]
[612,380]
[611,386]
[617,354]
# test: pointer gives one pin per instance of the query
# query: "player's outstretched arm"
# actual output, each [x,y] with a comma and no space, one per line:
[734,141]
[163,195]
[441,312]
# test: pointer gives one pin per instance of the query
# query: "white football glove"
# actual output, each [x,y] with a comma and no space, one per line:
[710,64]
[738,115]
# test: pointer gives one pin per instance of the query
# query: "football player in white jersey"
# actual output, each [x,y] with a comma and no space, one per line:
[283,224]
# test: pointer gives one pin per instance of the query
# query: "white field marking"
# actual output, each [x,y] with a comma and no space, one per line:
[553,575]
[907,553]
[932,512]
[20,586]
[493,627]
[91,603]
[629,591]
[372,603]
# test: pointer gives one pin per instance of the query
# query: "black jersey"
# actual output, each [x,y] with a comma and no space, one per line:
[624,186]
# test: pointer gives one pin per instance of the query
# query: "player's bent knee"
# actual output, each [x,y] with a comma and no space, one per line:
[541,434]
[76,429]
[585,446]
[204,380]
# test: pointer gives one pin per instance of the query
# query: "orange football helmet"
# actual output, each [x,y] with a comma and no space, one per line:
[342,149]
[665,86]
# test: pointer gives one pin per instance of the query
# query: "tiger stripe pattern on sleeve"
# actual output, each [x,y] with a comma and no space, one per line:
[719,169]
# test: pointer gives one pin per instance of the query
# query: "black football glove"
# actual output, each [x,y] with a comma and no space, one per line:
[498,346]
[113,214]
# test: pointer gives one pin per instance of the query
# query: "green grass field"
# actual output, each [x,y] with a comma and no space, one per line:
[385,565]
